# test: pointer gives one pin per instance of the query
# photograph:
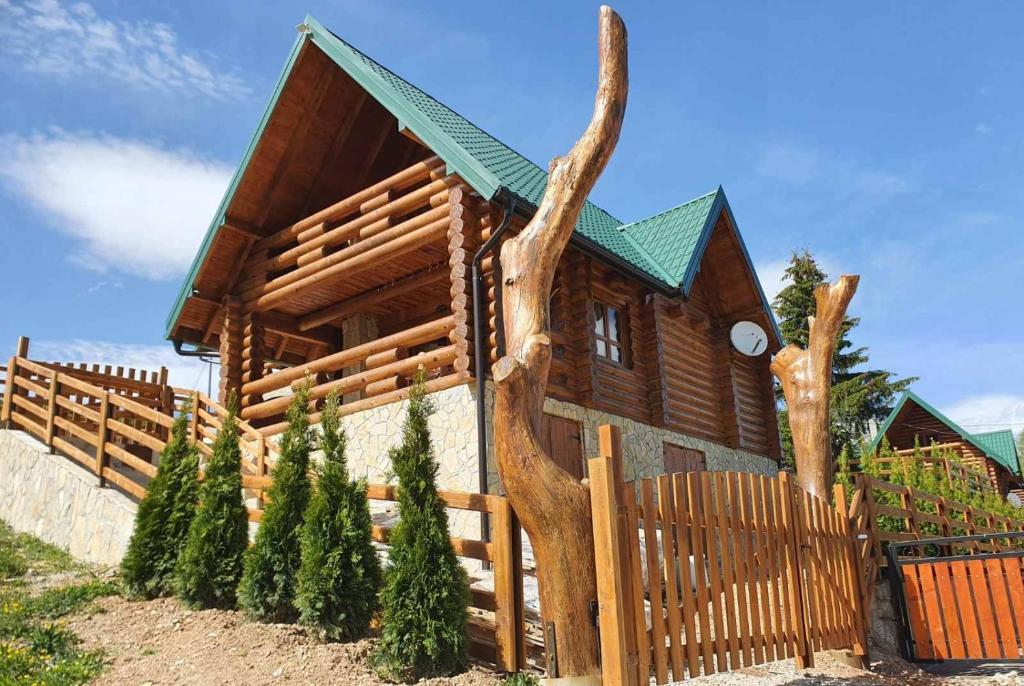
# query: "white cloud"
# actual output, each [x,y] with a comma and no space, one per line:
[990,412]
[70,40]
[983,129]
[136,207]
[798,166]
[183,372]
[788,163]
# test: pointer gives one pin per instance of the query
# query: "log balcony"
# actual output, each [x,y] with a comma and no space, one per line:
[355,299]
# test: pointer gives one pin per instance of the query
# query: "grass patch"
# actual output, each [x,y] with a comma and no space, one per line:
[521,679]
[35,650]
[22,553]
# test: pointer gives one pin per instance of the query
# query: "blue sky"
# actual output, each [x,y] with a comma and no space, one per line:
[884,137]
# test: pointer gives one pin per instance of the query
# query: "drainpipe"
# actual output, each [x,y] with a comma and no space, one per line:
[193,353]
[479,336]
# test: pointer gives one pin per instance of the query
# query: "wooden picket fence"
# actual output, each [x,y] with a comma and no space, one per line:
[714,571]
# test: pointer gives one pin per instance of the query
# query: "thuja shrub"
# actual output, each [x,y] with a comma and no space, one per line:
[164,517]
[340,575]
[210,566]
[426,594]
[267,591]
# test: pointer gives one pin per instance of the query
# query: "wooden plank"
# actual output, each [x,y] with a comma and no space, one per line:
[75,430]
[739,551]
[685,534]
[947,599]
[1001,600]
[965,607]
[132,461]
[712,541]
[654,582]
[28,424]
[723,520]
[991,647]
[643,647]
[73,451]
[666,517]
[751,588]
[134,434]
[142,411]
[933,611]
[694,498]
[765,564]
[79,409]
[33,408]
[124,482]
[808,568]
[923,648]
[1015,585]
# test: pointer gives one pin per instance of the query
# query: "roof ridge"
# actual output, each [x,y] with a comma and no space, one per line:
[681,205]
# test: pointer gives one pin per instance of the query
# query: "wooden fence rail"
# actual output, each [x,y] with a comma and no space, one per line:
[727,570]
[119,438]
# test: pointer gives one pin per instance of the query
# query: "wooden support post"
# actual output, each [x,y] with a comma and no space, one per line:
[804,656]
[611,567]
[101,435]
[9,387]
[194,424]
[51,408]
[22,350]
[507,633]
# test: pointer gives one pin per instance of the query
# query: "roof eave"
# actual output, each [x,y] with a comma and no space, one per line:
[229,194]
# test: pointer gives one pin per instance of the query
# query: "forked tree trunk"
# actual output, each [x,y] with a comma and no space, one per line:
[553,506]
[806,377]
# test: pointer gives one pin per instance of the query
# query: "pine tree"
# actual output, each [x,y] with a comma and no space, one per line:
[426,592]
[340,576]
[163,517]
[858,395]
[267,592]
[210,567]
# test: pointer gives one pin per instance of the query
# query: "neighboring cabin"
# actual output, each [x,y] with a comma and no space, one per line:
[343,251]
[913,422]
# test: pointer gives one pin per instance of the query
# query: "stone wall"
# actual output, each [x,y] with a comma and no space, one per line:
[52,498]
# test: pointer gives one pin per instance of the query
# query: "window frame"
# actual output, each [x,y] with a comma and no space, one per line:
[622,328]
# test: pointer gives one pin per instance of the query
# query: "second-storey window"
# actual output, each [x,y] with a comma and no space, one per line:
[609,333]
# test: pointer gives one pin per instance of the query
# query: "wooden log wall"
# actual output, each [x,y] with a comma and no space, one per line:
[230,348]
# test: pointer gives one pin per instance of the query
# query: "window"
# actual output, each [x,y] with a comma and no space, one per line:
[609,333]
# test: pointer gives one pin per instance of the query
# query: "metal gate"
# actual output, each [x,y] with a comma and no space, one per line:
[960,598]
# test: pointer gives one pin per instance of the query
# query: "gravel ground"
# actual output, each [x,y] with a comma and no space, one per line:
[160,643]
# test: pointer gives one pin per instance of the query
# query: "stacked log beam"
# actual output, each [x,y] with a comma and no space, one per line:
[253,354]
[230,348]
[461,246]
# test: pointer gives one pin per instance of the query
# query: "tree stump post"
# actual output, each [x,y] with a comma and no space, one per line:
[806,377]
[554,507]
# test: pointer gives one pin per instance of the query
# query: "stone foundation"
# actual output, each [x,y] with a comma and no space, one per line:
[61,503]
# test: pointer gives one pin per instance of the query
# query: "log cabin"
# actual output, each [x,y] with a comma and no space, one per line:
[915,423]
[357,243]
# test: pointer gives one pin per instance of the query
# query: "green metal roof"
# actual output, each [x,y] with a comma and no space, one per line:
[998,445]
[665,249]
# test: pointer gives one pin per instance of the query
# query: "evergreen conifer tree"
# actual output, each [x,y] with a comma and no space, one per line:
[340,576]
[858,395]
[426,592]
[267,592]
[210,566]
[163,517]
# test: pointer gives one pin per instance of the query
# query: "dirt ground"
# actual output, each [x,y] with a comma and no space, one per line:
[160,643]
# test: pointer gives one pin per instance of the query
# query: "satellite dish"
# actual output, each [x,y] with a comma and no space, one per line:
[749,338]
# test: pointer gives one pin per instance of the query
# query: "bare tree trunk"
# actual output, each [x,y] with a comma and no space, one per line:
[553,506]
[806,377]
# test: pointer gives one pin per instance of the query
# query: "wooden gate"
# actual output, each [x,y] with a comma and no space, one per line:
[959,603]
[707,572]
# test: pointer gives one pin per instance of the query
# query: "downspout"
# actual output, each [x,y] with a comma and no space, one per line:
[193,353]
[480,332]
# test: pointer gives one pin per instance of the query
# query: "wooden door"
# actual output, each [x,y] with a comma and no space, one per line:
[680,459]
[563,440]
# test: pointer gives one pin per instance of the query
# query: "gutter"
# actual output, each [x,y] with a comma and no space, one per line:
[479,333]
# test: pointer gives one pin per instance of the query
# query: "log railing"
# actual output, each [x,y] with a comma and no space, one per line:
[119,438]
[388,219]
